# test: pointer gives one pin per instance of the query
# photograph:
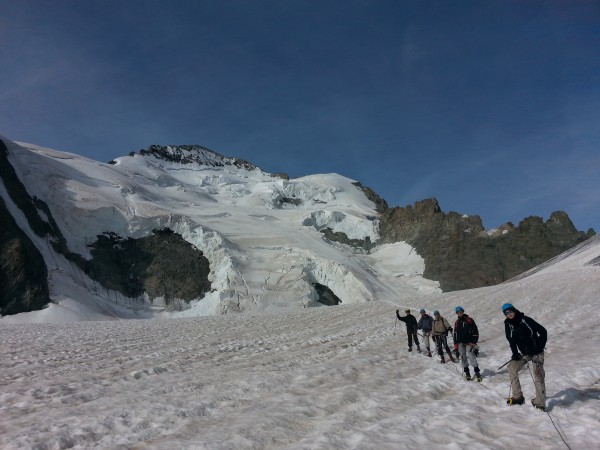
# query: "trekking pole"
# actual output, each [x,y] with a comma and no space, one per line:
[395,322]
[504,364]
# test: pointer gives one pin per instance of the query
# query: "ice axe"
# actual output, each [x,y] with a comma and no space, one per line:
[504,364]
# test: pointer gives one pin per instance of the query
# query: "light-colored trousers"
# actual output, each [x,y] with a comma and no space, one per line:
[426,335]
[467,356]
[539,377]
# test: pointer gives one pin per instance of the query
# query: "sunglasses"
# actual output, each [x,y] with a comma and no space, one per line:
[508,312]
[459,312]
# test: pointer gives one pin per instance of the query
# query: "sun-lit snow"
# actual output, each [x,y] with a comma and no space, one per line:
[261,233]
[317,378]
[280,376]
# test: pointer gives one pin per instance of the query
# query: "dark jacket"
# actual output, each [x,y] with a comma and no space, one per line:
[425,322]
[409,320]
[525,335]
[465,331]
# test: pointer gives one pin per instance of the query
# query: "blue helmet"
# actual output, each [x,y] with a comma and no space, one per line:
[459,309]
[507,306]
[422,311]
[436,312]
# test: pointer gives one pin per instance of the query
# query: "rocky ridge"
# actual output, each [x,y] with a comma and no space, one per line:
[461,254]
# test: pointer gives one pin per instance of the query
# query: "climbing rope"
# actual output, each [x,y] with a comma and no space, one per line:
[510,390]
[549,416]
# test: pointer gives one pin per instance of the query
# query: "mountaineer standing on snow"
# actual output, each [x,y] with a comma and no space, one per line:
[425,324]
[527,340]
[466,336]
[441,328]
[411,328]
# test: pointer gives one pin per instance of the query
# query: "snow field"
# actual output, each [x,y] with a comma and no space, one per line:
[320,378]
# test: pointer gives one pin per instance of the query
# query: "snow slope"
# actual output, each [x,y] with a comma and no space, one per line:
[264,252]
[317,378]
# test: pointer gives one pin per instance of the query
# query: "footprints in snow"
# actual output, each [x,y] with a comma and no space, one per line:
[139,374]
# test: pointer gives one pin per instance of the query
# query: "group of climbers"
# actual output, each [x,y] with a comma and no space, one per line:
[465,336]
[526,338]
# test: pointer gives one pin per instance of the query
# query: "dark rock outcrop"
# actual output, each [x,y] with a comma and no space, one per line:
[460,254]
[342,238]
[189,154]
[326,296]
[380,204]
[162,265]
[36,211]
[290,201]
[23,273]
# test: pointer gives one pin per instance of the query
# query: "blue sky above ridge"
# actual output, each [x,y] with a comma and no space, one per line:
[492,106]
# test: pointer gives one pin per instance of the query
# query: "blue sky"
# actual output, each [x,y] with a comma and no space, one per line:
[491,106]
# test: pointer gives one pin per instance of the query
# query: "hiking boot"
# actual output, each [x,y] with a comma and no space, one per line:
[410,349]
[541,408]
[452,358]
[515,400]
[467,374]
[478,374]
[443,361]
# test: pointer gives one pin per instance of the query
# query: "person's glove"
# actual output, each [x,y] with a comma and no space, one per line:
[476,352]
[456,353]
[515,357]
[397,311]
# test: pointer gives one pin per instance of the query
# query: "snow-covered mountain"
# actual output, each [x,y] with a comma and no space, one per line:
[315,378]
[261,233]
[178,231]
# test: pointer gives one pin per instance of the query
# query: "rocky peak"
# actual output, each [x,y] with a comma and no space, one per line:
[560,223]
[427,208]
[461,255]
[194,154]
[417,223]
[380,204]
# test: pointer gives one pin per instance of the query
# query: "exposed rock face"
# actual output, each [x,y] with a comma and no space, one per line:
[338,236]
[23,273]
[162,265]
[380,204]
[290,201]
[189,154]
[461,255]
[326,296]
